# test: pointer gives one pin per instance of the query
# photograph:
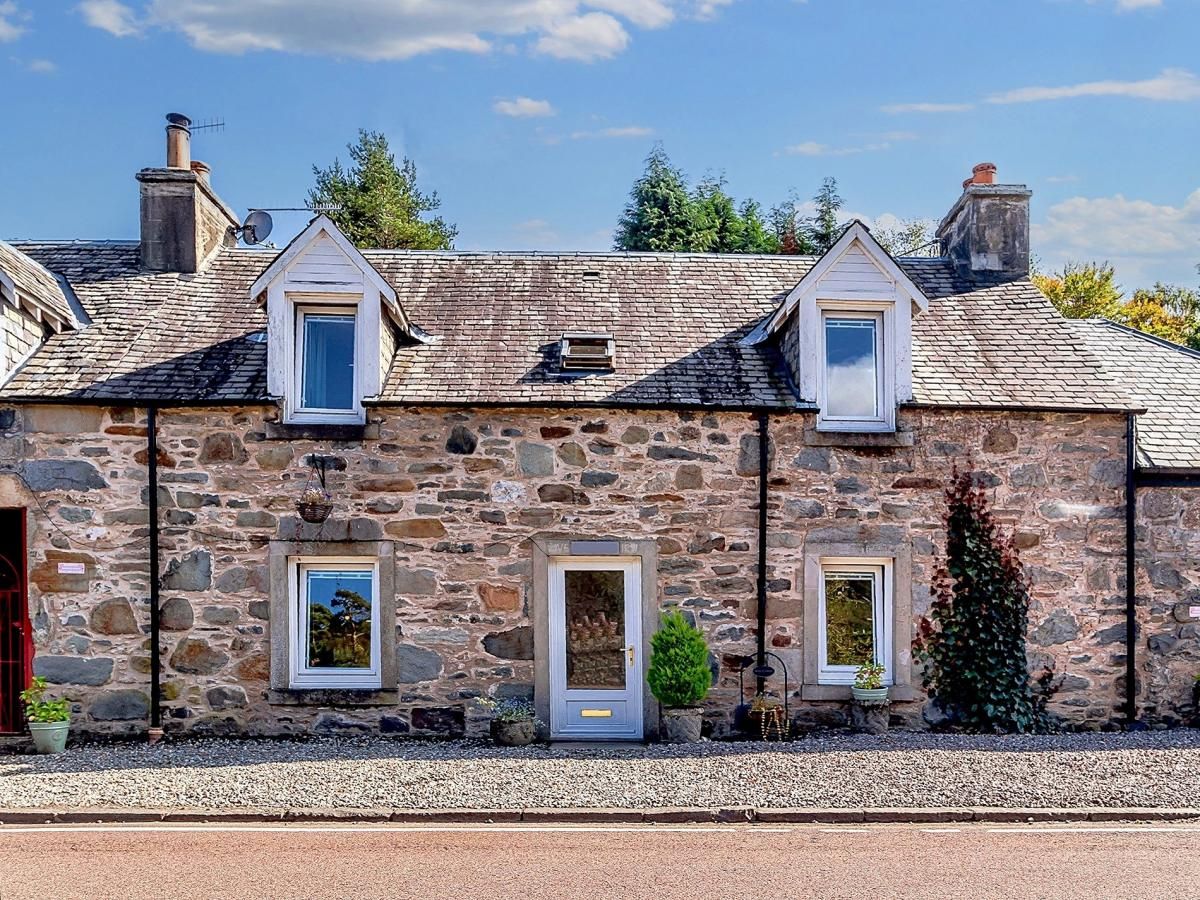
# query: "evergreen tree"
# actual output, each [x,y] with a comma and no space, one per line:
[756,235]
[660,216]
[973,642]
[791,236]
[377,203]
[823,229]
[719,227]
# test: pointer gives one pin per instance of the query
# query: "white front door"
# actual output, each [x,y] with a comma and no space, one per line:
[595,648]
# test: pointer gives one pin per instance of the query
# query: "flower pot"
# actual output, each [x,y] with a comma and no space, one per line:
[314,512]
[520,733]
[49,737]
[682,725]
[869,695]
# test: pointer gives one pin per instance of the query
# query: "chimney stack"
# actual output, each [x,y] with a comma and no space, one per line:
[183,220]
[986,233]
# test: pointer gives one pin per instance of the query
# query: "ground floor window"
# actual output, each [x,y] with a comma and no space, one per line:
[336,635]
[854,618]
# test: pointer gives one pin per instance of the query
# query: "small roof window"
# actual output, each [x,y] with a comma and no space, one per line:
[587,351]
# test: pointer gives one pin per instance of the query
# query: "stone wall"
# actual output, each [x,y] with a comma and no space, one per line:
[462,493]
[1168,591]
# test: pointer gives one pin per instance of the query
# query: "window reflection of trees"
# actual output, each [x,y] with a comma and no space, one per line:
[849,611]
[339,635]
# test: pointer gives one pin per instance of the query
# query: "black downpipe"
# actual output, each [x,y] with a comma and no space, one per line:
[763,457]
[1130,571]
[155,655]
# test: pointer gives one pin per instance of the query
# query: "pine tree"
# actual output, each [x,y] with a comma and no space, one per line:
[756,235]
[659,216]
[823,229]
[973,642]
[718,224]
[377,204]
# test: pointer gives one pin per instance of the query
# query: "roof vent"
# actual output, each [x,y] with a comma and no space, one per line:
[587,351]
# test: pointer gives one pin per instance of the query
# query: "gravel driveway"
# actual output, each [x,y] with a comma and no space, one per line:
[1142,769]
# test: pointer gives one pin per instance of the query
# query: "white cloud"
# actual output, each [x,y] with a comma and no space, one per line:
[815,148]
[643,13]
[1145,241]
[41,66]
[1169,85]
[898,108]
[523,108]
[1061,179]
[110,15]
[586,38]
[396,29]
[1126,5]
[622,131]
[9,29]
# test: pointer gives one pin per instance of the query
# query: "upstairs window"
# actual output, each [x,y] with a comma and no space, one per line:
[325,368]
[854,366]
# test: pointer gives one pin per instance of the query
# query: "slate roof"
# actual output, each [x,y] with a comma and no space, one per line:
[496,319]
[35,281]
[1161,376]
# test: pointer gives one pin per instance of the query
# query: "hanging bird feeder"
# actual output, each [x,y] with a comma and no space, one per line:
[315,502]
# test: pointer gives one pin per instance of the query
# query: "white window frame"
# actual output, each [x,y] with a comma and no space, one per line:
[882,569]
[303,415]
[300,675]
[883,314]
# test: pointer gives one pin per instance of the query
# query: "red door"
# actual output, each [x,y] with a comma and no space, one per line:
[16,637]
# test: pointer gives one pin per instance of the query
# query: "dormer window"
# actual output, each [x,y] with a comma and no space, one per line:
[587,351]
[856,365]
[325,361]
[332,324]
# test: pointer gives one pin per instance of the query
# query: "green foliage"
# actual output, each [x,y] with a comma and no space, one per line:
[1089,290]
[909,237]
[823,229]
[379,204]
[38,708]
[512,709]
[717,225]
[1082,291]
[679,673]
[973,642]
[791,235]
[659,216]
[756,235]
[869,676]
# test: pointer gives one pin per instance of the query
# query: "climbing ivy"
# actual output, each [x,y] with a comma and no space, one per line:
[972,643]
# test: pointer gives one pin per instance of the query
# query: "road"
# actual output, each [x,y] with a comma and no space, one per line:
[663,863]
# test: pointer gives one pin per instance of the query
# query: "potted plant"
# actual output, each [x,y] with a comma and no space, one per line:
[314,505]
[868,684]
[49,720]
[679,677]
[514,722]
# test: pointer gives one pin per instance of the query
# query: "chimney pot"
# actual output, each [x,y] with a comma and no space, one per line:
[984,173]
[179,141]
[202,170]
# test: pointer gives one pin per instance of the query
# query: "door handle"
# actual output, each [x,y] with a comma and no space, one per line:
[629,650]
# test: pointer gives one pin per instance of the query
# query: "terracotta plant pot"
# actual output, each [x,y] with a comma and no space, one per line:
[521,733]
[682,725]
[49,737]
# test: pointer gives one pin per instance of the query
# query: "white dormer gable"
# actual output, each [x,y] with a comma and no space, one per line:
[847,334]
[329,327]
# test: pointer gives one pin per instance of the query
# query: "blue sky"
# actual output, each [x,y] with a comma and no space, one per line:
[531,118]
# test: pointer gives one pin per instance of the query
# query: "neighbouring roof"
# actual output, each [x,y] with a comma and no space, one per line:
[1161,376]
[35,285]
[496,319]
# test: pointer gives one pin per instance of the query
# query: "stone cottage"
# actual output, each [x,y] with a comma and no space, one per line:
[530,455]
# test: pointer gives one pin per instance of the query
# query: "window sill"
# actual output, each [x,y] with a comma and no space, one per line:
[899,693]
[816,438]
[278,431]
[333,697]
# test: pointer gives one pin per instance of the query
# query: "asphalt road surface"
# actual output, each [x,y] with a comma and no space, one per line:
[663,863]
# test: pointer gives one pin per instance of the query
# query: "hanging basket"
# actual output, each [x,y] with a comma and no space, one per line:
[315,504]
[314,512]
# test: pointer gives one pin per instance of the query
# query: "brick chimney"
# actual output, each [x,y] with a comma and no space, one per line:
[986,233]
[183,220]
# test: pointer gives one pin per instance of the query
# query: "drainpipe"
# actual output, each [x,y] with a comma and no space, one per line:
[156,729]
[760,668]
[1130,573]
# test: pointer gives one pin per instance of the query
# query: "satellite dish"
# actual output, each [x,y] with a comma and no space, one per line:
[257,227]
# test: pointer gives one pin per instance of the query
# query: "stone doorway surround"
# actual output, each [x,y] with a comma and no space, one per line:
[547,547]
